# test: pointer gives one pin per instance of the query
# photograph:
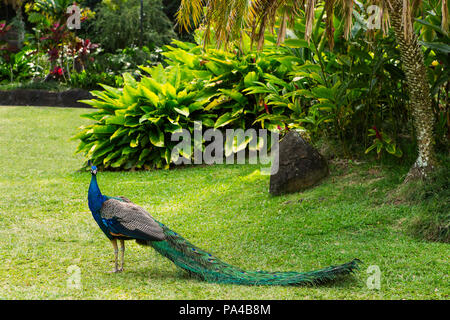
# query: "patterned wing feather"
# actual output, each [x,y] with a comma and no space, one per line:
[131,220]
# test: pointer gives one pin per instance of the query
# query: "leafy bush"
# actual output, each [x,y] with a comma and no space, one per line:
[18,66]
[337,95]
[341,94]
[117,25]
[124,60]
[91,80]
[133,125]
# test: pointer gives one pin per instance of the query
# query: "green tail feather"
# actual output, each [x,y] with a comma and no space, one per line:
[202,265]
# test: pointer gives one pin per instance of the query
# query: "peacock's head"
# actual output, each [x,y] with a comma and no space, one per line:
[93,168]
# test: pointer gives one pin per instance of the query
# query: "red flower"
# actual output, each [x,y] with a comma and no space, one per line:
[267,108]
[57,71]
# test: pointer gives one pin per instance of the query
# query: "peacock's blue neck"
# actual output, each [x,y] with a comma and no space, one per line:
[95,197]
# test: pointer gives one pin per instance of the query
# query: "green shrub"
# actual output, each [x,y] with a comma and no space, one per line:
[133,125]
[117,25]
[91,80]
[18,66]
[124,60]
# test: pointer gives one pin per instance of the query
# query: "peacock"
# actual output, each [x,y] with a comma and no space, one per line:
[121,220]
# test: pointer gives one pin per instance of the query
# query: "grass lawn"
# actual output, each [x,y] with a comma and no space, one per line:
[46,226]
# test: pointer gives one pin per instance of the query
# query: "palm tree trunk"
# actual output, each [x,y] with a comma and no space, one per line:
[419,93]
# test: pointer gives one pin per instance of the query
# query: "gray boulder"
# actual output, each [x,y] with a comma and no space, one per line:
[300,166]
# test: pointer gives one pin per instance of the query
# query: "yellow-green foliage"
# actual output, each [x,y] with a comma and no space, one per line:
[132,126]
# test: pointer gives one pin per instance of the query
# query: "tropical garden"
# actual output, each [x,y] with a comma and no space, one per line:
[366,83]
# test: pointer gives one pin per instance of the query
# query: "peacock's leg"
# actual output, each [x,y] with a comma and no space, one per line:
[122,254]
[116,252]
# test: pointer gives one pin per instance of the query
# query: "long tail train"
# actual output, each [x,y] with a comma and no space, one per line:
[203,265]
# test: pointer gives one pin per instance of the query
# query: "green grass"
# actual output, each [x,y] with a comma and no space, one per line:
[46,226]
[37,85]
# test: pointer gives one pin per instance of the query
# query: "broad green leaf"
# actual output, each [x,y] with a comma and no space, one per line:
[144,154]
[149,95]
[250,78]
[152,85]
[235,95]
[104,129]
[437,46]
[216,102]
[323,92]
[129,80]
[169,91]
[183,110]
[296,43]
[156,137]
[112,156]
[119,132]
[119,120]
[224,120]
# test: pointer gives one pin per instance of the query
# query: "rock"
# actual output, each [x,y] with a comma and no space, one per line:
[300,166]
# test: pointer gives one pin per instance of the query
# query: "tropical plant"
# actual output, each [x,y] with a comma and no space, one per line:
[231,19]
[17,65]
[340,94]
[91,80]
[382,142]
[132,129]
[116,25]
[124,60]
[64,49]
[133,125]
[231,77]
